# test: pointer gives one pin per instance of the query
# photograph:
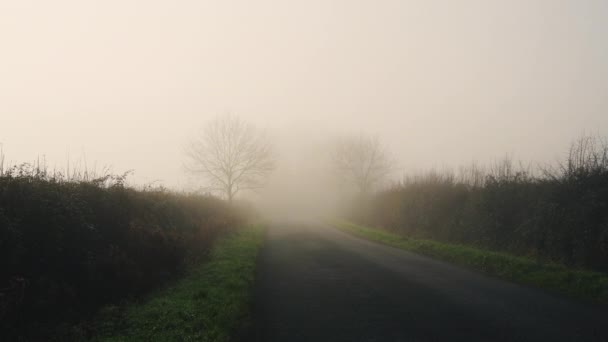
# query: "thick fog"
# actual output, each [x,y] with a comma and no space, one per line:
[126,83]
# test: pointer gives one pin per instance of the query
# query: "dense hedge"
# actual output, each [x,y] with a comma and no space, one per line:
[560,214]
[68,248]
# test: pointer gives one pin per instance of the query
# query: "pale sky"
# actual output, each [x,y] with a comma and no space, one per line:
[126,82]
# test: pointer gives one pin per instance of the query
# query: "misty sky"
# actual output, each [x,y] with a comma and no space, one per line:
[124,83]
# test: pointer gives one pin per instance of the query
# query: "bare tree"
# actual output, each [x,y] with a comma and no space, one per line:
[231,155]
[363,161]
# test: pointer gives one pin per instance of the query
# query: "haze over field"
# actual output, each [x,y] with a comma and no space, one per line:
[125,83]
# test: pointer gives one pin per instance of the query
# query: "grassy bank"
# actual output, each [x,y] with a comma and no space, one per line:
[207,305]
[573,282]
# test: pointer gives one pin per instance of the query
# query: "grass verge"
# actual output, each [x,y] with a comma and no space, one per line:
[208,304]
[558,278]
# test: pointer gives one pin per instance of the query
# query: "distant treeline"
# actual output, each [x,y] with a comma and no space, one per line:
[68,248]
[557,213]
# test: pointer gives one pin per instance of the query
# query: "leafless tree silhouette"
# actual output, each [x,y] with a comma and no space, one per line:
[363,161]
[231,155]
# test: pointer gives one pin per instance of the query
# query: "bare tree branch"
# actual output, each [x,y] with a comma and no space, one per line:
[231,155]
[363,161]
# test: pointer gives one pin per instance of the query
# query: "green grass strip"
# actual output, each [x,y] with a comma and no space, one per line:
[554,277]
[208,304]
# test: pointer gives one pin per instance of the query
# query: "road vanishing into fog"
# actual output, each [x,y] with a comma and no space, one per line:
[315,283]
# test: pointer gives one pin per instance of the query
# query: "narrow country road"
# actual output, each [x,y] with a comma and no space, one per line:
[315,283]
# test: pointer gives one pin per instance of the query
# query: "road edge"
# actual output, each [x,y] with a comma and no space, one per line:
[581,284]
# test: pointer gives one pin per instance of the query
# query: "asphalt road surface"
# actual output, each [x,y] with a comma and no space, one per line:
[315,283]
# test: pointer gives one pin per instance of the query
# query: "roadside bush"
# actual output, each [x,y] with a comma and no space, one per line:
[559,215]
[69,247]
